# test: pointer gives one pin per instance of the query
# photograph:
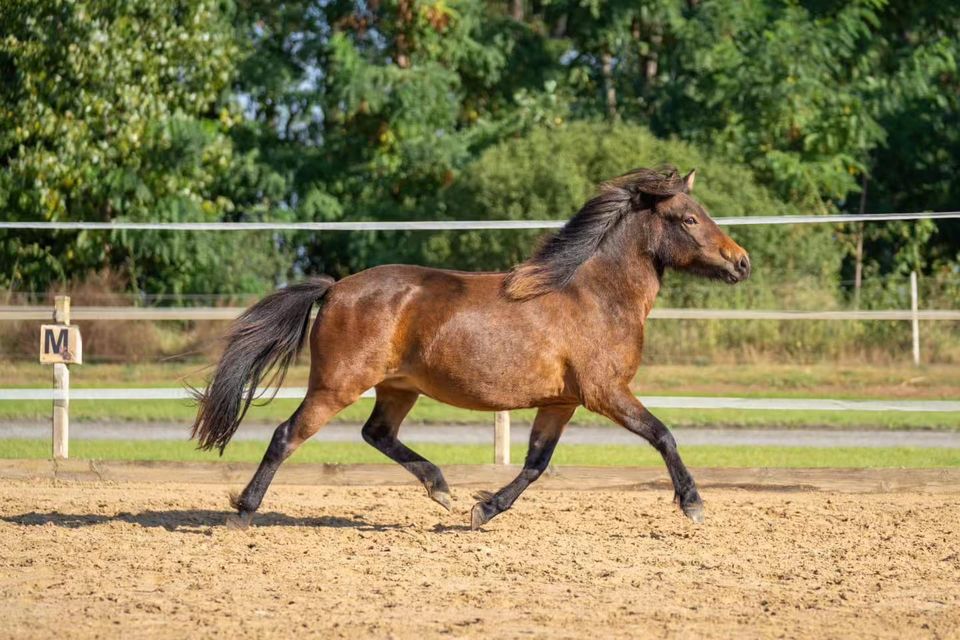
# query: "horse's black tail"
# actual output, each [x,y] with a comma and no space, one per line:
[268,335]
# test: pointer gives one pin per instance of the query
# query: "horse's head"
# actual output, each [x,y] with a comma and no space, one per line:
[649,207]
[689,240]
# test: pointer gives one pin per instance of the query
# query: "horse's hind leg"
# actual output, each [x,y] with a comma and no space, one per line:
[381,429]
[544,435]
[309,417]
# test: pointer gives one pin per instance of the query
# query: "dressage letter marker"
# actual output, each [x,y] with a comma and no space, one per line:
[60,345]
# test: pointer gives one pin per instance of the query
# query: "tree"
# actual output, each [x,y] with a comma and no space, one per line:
[135,110]
[368,109]
[108,112]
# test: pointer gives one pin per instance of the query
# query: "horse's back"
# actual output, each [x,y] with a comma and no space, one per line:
[451,335]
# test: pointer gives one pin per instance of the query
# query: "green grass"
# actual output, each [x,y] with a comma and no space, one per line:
[583,455]
[430,411]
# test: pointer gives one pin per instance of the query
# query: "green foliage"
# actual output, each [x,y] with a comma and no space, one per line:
[422,109]
[108,112]
[370,118]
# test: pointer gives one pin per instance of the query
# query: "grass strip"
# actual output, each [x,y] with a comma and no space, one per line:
[580,455]
[432,412]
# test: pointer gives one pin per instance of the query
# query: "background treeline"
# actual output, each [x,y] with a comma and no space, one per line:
[398,110]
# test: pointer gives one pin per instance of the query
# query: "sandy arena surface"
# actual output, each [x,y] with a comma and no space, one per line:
[97,559]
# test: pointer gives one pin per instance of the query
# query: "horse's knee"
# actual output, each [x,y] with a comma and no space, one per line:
[651,429]
[665,441]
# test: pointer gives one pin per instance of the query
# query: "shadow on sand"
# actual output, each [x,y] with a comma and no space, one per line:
[191,520]
[451,528]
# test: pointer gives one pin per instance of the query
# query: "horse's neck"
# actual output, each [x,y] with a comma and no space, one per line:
[627,279]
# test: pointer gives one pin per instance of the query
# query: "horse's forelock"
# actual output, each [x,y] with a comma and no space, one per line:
[652,182]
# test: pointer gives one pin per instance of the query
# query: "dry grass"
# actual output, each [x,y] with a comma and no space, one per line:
[113,341]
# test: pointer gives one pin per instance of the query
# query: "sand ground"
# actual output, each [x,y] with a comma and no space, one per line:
[104,559]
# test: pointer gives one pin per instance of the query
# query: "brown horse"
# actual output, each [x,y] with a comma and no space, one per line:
[563,329]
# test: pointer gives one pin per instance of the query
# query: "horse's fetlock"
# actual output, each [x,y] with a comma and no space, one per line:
[532,474]
[691,496]
[243,503]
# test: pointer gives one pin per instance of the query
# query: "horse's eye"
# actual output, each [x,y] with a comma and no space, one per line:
[689,220]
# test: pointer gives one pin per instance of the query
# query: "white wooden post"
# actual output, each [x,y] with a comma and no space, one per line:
[501,437]
[61,382]
[915,320]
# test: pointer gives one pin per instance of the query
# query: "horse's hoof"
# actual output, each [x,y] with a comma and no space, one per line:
[239,521]
[442,498]
[694,511]
[477,516]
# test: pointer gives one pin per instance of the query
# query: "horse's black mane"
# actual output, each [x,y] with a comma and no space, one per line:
[556,260]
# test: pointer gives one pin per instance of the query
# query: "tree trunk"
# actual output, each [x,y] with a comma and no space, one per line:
[858,265]
[649,62]
[652,65]
[401,46]
[516,10]
[559,27]
[608,86]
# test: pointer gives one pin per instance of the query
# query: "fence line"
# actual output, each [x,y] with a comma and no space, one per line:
[38,312]
[445,225]
[786,281]
[654,402]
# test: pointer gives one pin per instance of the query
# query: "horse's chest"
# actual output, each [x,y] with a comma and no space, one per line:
[609,350]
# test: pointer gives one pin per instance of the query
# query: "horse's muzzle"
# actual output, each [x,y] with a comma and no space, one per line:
[742,267]
[737,269]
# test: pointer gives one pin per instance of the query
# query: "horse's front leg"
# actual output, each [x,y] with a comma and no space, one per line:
[624,409]
[544,435]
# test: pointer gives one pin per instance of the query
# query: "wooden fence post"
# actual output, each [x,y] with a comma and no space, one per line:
[915,321]
[61,382]
[501,437]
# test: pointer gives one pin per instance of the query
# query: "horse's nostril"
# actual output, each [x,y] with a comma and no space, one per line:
[744,265]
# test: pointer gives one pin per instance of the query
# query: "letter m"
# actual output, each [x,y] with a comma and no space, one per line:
[57,344]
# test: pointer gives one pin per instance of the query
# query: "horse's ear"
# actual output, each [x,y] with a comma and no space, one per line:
[688,181]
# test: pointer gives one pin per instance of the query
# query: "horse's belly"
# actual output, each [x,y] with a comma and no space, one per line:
[489,377]
[481,397]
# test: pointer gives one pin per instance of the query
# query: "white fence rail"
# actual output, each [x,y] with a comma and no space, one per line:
[37,312]
[445,225]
